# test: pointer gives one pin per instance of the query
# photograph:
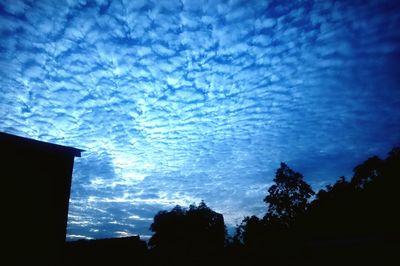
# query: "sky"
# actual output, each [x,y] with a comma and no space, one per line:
[175,102]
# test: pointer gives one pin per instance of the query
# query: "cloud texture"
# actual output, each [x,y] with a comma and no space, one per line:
[179,101]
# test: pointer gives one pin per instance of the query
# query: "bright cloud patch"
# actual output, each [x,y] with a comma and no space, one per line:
[179,101]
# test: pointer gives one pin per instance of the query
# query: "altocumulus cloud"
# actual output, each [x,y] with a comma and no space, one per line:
[179,101]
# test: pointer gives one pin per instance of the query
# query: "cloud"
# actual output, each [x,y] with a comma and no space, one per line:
[179,101]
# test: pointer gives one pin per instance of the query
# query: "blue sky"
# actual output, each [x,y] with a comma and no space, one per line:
[181,101]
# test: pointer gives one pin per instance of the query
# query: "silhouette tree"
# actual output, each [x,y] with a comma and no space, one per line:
[250,233]
[366,172]
[167,228]
[288,198]
[196,233]
[329,214]
[359,216]
[351,221]
[268,238]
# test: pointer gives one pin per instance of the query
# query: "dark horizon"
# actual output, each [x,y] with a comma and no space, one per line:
[175,101]
[331,226]
[300,225]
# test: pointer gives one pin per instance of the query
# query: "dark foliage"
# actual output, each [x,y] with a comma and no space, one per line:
[363,206]
[351,222]
[288,198]
[196,234]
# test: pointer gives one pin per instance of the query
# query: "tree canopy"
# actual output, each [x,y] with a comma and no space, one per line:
[287,198]
[358,214]
[194,231]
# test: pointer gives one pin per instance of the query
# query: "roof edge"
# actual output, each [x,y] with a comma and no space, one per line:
[28,141]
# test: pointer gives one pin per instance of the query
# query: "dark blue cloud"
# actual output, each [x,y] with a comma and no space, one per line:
[178,101]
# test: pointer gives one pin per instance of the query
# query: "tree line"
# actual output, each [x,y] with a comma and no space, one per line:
[353,221]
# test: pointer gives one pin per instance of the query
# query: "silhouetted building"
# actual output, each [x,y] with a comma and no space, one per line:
[36,182]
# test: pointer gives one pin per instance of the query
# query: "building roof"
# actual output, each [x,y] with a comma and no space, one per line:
[13,142]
